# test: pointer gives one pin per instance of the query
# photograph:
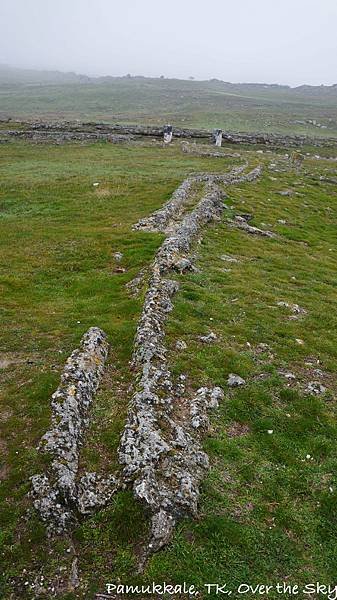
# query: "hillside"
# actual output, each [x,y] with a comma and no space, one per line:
[237,107]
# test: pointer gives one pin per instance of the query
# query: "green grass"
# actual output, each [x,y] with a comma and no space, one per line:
[266,513]
[205,104]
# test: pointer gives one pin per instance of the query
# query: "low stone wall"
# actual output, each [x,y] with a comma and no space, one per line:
[60,136]
[57,494]
[162,456]
[162,218]
[68,131]
[161,444]
[160,450]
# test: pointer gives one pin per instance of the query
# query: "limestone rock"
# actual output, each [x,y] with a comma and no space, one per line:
[55,494]
[228,258]
[241,223]
[210,338]
[235,380]
[315,388]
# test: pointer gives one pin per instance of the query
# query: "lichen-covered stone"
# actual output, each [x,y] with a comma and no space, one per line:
[56,493]
[159,448]
[95,491]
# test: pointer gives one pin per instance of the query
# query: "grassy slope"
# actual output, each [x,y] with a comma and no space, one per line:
[189,103]
[266,512]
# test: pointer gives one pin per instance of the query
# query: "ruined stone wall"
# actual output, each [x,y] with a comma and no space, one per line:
[160,453]
[68,131]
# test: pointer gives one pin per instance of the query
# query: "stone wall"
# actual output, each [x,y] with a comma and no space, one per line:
[68,131]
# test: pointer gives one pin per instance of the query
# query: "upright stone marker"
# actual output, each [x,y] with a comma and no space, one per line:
[167,133]
[217,135]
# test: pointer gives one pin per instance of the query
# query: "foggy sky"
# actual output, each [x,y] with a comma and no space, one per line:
[271,41]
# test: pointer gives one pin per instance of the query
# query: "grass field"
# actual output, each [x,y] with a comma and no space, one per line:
[268,505]
[209,104]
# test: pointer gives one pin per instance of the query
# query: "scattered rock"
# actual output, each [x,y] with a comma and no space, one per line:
[288,375]
[228,258]
[262,347]
[246,216]
[295,308]
[74,580]
[285,193]
[261,377]
[315,388]
[181,345]
[319,373]
[135,284]
[241,223]
[332,180]
[208,339]
[118,256]
[235,380]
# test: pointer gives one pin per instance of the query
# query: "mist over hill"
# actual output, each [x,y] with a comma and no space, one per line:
[29,93]
[17,75]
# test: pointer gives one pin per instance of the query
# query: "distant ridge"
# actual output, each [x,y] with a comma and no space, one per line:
[12,75]
[16,75]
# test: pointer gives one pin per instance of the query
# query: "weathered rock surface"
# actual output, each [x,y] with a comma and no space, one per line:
[294,308]
[56,493]
[134,286]
[235,380]
[315,388]
[241,223]
[159,220]
[166,217]
[160,453]
[210,338]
